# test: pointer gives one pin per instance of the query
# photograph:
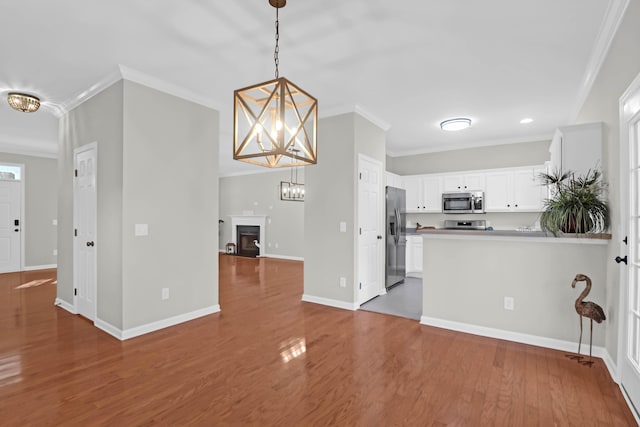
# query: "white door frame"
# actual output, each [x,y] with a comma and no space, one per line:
[76,151]
[381,228]
[22,207]
[628,111]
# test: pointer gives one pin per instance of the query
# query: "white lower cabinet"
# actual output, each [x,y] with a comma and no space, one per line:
[414,256]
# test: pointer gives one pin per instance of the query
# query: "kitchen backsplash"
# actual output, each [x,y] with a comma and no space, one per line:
[497,220]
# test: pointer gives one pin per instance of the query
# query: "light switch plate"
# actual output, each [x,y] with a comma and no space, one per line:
[141,229]
[343,227]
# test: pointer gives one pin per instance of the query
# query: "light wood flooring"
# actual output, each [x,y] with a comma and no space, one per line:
[269,359]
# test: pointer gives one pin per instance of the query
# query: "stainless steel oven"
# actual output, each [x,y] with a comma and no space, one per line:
[469,202]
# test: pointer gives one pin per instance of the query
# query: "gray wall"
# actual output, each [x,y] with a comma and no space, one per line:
[544,299]
[491,157]
[621,66]
[157,165]
[170,182]
[329,254]
[260,193]
[331,187]
[100,120]
[41,208]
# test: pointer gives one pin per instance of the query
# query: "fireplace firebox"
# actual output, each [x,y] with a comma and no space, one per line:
[246,237]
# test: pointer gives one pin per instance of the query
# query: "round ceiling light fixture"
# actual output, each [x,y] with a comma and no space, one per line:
[455,124]
[23,102]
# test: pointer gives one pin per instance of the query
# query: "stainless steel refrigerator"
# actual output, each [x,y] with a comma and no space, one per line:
[396,236]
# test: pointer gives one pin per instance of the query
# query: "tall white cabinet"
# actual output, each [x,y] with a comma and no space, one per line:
[577,148]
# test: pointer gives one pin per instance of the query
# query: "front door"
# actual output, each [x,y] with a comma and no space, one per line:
[371,262]
[10,225]
[629,339]
[84,247]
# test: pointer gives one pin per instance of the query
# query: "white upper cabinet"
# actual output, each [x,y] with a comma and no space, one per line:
[413,188]
[464,182]
[431,194]
[577,148]
[516,190]
[393,180]
[424,193]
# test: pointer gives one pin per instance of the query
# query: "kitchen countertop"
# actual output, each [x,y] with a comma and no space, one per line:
[531,236]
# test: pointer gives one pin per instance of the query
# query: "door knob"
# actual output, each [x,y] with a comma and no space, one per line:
[379,237]
[619,260]
[89,243]
[16,230]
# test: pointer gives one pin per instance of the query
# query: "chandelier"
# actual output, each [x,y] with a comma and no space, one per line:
[292,190]
[23,102]
[275,120]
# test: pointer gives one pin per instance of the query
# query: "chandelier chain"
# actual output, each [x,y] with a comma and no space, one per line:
[276,51]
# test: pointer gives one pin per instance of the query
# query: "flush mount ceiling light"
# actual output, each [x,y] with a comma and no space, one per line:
[23,102]
[455,124]
[526,121]
[272,120]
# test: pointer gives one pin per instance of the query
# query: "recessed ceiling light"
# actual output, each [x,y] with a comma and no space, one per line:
[455,124]
[526,121]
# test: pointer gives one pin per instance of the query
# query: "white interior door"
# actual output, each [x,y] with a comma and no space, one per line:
[370,280]
[84,248]
[629,338]
[10,225]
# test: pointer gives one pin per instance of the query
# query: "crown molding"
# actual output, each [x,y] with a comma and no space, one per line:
[29,147]
[346,109]
[610,24]
[470,144]
[169,88]
[89,93]
[123,72]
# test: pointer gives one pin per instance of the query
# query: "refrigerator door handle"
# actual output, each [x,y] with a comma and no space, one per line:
[397,236]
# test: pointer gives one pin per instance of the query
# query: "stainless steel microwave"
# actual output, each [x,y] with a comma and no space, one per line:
[463,203]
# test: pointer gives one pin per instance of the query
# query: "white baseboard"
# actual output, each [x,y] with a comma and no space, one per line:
[630,404]
[330,302]
[40,267]
[63,304]
[165,323]
[292,258]
[108,328]
[513,336]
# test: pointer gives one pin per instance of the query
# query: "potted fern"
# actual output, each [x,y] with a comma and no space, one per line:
[576,204]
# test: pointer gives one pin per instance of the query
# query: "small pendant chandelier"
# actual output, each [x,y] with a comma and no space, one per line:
[275,120]
[292,190]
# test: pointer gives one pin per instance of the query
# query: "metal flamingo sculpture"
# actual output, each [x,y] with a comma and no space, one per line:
[587,309]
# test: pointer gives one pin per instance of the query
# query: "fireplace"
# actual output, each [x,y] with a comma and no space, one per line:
[257,224]
[246,237]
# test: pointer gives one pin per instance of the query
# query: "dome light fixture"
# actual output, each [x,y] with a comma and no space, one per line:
[526,120]
[458,123]
[275,120]
[23,102]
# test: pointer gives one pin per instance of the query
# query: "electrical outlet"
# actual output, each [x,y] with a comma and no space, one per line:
[276,246]
[508,303]
[55,252]
[343,282]
[165,293]
[54,222]
[343,227]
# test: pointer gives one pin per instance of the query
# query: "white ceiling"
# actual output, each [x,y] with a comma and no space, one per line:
[408,64]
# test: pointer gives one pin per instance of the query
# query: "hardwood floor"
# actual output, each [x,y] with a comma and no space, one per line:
[270,359]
